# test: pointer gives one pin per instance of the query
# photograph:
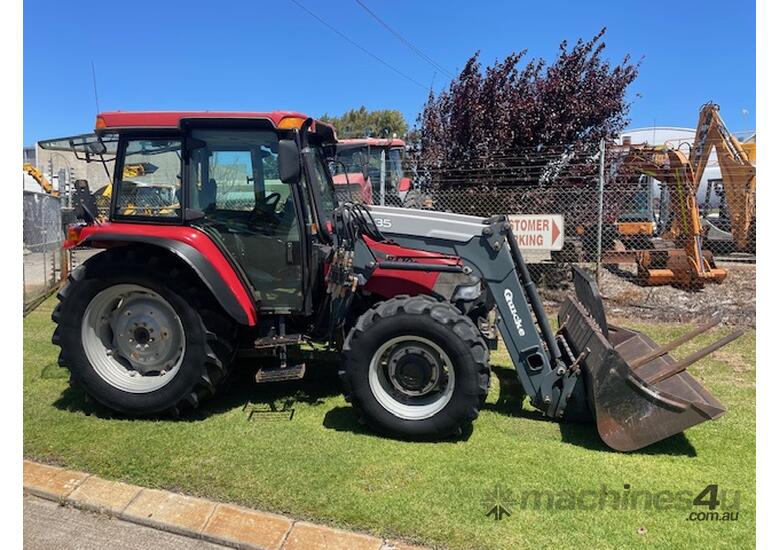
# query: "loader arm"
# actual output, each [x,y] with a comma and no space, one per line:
[636,392]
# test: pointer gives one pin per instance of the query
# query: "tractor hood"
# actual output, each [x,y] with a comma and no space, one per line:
[427,224]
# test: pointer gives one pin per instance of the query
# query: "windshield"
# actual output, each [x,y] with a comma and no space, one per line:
[394,168]
[355,157]
[150,178]
[323,183]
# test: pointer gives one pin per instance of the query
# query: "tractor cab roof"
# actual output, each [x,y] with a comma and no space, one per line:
[122,120]
[118,121]
[109,124]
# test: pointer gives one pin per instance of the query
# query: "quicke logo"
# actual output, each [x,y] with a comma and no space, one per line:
[515,317]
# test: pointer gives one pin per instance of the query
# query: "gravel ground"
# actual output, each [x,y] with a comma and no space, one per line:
[734,300]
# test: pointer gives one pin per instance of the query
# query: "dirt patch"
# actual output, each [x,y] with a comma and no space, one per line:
[734,299]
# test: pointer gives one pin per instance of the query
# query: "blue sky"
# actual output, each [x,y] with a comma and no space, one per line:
[265,55]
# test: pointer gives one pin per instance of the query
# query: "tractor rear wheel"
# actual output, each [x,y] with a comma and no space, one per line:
[416,368]
[135,344]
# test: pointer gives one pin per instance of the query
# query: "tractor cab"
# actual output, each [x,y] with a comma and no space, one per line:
[370,170]
[255,183]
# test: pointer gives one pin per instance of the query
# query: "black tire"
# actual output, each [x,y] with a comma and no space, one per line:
[209,333]
[438,322]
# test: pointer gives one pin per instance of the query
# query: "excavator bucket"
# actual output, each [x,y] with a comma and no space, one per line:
[639,394]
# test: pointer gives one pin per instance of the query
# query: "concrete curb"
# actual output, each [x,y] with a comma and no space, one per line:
[224,524]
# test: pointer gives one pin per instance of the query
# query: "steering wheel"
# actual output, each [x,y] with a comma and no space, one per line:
[267,209]
[271,201]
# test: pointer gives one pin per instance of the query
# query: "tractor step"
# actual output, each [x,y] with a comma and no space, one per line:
[277,341]
[280,374]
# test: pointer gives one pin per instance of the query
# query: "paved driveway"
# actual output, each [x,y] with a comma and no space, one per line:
[49,526]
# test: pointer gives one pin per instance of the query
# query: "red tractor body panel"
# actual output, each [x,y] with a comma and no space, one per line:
[383,282]
[357,184]
[202,243]
[393,282]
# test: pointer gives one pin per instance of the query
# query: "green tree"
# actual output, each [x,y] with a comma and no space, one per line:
[361,122]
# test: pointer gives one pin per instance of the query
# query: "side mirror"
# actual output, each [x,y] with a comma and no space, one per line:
[289,161]
[96,148]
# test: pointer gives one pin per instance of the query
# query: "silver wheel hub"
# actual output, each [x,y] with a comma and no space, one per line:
[411,377]
[133,338]
[412,369]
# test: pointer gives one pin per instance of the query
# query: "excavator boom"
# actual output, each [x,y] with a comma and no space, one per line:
[689,265]
[737,171]
[38,176]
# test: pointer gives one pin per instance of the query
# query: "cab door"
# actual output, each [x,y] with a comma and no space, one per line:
[234,182]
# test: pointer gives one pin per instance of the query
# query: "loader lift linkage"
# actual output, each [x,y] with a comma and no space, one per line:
[253,254]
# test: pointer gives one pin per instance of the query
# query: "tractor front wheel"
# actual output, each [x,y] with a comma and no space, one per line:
[416,368]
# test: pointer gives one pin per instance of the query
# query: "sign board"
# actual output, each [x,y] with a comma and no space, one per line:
[538,231]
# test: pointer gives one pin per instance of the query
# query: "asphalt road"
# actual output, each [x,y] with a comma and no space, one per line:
[49,526]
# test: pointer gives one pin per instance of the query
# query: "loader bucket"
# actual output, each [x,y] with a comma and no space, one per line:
[638,393]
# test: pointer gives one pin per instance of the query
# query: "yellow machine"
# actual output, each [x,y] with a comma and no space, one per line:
[38,176]
[679,258]
[145,200]
[684,262]
[738,172]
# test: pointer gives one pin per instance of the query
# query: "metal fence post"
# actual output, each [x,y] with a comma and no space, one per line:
[600,220]
[382,177]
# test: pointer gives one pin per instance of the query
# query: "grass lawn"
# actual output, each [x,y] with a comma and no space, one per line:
[322,465]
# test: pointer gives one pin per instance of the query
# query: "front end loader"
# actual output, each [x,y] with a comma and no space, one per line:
[588,369]
[252,254]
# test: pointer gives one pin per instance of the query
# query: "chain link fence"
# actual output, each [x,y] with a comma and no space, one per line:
[602,209]
[42,240]
[587,204]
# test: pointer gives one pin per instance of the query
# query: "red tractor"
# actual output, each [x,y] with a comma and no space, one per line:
[252,252]
[370,170]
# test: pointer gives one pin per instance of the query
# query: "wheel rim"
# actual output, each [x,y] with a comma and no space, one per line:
[133,338]
[411,377]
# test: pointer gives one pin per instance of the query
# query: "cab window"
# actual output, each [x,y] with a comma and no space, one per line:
[323,185]
[149,179]
[233,180]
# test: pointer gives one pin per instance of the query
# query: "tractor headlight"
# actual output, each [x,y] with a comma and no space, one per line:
[467,292]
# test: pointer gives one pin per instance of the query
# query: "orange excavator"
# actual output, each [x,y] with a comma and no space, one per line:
[678,258]
[738,173]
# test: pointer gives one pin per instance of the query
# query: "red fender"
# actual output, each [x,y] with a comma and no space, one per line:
[191,245]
